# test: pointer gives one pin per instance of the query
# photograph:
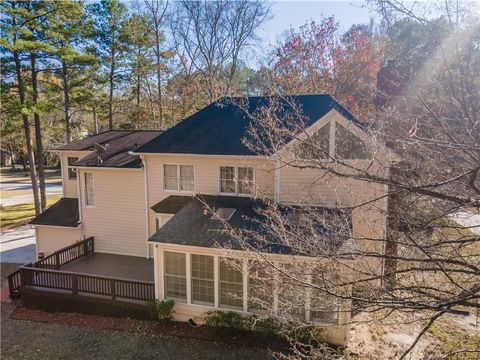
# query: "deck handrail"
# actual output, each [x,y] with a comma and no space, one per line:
[55,260]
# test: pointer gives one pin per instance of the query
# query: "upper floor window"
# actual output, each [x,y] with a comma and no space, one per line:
[89,189]
[178,177]
[348,146]
[72,174]
[236,180]
[316,146]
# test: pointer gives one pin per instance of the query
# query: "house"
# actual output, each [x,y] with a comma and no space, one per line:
[143,195]
[5,158]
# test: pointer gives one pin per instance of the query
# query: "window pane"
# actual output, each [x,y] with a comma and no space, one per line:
[245,180]
[227,179]
[202,280]
[186,178]
[348,146]
[317,146]
[175,275]
[291,293]
[170,177]
[323,306]
[72,175]
[260,287]
[89,190]
[231,285]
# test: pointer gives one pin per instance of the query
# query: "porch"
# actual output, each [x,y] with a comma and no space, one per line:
[79,272]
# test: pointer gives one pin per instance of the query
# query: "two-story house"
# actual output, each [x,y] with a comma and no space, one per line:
[144,194]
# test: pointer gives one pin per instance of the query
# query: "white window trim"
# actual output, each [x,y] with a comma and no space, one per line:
[187,262]
[69,167]
[89,206]
[235,179]
[178,179]
[245,310]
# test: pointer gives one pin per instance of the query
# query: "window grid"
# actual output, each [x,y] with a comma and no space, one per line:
[203,285]
[175,275]
[178,178]
[89,190]
[231,285]
[236,180]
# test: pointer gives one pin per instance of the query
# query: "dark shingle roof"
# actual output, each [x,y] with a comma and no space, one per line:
[171,204]
[219,128]
[63,213]
[118,143]
[192,224]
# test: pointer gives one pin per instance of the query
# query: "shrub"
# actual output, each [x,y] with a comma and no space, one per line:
[223,319]
[161,310]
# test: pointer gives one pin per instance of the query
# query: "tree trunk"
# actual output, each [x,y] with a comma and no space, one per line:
[26,130]
[66,103]
[110,95]
[95,120]
[38,135]
[159,81]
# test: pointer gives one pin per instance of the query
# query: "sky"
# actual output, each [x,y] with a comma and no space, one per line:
[286,14]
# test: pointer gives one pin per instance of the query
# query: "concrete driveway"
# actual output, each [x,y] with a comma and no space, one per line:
[18,245]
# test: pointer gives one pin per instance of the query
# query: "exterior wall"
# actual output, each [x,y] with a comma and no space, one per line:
[49,239]
[69,186]
[207,174]
[335,334]
[117,221]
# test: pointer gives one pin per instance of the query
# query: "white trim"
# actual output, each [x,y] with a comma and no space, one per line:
[188,274]
[216,281]
[245,283]
[79,226]
[259,157]
[79,197]
[155,272]
[276,195]
[92,168]
[147,213]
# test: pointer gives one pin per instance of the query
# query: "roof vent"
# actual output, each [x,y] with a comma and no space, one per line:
[223,214]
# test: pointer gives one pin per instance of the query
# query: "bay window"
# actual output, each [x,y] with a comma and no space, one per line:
[237,180]
[178,178]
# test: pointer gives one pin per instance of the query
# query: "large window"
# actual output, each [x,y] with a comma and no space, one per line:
[316,146]
[89,190]
[178,178]
[261,281]
[236,180]
[72,174]
[323,306]
[175,276]
[203,285]
[231,284]
[348,146]
[291,293]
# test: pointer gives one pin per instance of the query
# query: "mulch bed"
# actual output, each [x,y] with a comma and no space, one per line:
[178,329]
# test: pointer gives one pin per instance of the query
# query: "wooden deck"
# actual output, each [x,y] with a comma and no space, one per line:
[110,265]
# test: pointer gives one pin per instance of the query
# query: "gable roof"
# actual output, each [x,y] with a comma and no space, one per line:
[63,213]
[118,144]
[218,129]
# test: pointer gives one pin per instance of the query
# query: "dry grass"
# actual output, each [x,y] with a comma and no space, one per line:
[22,213]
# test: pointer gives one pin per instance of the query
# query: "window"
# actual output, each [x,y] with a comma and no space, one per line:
[291,294]
[261,281]
[178,177]
[231,285]
[175,276]
[323,306]
[203,287]
[236,180]
[72,174]
[89,190]
[316,146]
[348,146]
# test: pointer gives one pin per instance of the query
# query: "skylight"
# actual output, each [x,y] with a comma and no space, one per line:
[223,214]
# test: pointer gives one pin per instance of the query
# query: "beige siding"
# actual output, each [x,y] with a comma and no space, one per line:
[50,239]
[207,172]
[118,219]
[69,186]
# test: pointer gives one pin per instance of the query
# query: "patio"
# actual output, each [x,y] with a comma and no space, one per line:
[110,265]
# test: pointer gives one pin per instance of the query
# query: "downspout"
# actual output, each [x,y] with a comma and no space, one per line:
[79,197]
[277,181]
[147,217]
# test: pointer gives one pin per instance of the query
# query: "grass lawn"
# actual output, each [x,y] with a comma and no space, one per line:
[22,213]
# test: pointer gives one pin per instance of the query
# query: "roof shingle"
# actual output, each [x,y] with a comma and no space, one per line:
[63,213]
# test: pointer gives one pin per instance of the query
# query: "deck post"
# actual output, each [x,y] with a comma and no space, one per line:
[57,260]
[74,284]
[112,289]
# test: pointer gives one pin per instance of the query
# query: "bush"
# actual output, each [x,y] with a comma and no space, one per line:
[161,310]
[223,319]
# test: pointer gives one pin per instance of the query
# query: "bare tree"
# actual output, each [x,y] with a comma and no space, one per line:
[210,36]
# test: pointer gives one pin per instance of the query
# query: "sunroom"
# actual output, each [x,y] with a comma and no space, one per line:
[201,269]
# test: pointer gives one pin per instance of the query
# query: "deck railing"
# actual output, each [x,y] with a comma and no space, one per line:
[46,274]
[86,284]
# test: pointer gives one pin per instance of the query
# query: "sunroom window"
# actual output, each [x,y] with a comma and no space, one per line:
[231,285]
[323,306]
[203,285]
[260,287]
[175,276]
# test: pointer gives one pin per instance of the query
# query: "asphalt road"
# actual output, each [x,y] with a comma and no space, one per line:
[18,245]
[51,188]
